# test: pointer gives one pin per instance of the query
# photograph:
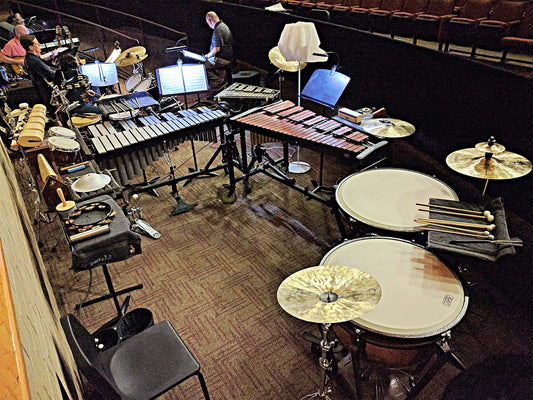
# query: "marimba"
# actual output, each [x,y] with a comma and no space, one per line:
[128,146]
[295,125]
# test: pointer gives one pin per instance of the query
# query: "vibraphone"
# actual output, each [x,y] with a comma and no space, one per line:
[127,147]
[243,91]
[295,125]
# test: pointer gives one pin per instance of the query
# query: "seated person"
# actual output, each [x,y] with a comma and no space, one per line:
[220,54]
[76,85]
[13,53]
[41,73]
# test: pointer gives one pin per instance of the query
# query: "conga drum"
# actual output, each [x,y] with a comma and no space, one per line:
[385,198]
[421,298]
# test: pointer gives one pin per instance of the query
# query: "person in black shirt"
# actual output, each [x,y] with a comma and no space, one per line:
[220,56]
[76,85]
[41,73]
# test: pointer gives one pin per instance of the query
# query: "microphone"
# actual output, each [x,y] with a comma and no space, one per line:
[175,48]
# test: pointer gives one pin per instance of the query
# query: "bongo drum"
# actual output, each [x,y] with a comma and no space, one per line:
[421,297]
[386,198]
[63,150]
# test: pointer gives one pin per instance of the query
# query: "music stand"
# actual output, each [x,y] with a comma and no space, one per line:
[100,74]
[325,87]
[182,79]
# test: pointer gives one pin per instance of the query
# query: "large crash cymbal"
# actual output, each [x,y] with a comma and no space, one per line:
[131,56]
[388,127]
[329,294]
[504,165]
[276,58]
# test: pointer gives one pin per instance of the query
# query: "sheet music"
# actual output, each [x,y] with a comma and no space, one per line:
[179,79]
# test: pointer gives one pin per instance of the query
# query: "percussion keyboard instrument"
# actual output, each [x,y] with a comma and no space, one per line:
[121,103]
[243,91]
[293,124]
[129,146]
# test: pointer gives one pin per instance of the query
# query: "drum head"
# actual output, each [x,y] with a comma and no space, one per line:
[421,296]
[132,82]
[144,85]
[80,122]
[386,198]
[62,132]
[63,144]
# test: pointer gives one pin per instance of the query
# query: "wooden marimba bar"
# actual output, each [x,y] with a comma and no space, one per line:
[127,147]
[294,124]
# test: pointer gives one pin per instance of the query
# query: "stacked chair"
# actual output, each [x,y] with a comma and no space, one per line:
[431,25]
[522,39]
[461,29]
[379,19]
[401,22]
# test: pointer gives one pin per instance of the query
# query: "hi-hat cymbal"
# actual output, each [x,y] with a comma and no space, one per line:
[488,147]
[329,294]
[388,127]
[276,58]
[131,56]
[504,165]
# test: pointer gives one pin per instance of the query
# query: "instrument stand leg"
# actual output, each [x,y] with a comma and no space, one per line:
[205,173]
[153,192]
[181,205]
[112,293]
[326,364]
[318,185]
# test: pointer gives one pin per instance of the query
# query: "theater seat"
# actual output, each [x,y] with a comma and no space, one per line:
[340,13]
[522,39]
[379,19]
[503,21]
[401,22]
[359,15]
[460,30]
[431,24]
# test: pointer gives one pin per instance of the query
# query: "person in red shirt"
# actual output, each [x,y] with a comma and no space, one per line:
[13,48]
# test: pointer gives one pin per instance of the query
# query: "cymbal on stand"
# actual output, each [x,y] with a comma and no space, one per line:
[488,147]
[388,127]
[329,294]
[276,58]
[131,56]
[503,165]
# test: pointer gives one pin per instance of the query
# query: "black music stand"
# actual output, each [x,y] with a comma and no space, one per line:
[325,87]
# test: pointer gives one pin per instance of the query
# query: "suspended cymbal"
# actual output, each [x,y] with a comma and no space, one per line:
[329,294]
[276,58]
[388,127]
[487,147]
[91,182]
[131,56]
[504,165]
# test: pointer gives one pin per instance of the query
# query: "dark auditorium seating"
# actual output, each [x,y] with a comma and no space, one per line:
[401,22]
[379,19]
[359,15]
[340,14]
[431,24]
[503,21]
[460,30]
[522,42]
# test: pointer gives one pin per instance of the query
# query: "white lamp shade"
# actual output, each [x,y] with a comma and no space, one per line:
[299,41]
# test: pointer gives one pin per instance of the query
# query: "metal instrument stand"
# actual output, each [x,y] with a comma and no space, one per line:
[324,391]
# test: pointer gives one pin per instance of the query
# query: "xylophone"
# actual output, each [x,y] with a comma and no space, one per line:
[127,147]
[243,91]
[295,125]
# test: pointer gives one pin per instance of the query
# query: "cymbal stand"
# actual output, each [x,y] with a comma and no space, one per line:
[326,364]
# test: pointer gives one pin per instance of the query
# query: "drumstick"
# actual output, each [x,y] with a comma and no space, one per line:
[455,223]
[112,103]
[489,217]
[74,165]
[484,233]
[464,210]
[490,237]
[127,105]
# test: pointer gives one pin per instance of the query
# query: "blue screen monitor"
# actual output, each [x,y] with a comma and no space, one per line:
[181,79]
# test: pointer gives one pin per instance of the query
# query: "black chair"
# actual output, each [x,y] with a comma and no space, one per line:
[142,367]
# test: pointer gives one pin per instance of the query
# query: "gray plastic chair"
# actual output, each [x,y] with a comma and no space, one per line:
[142,367]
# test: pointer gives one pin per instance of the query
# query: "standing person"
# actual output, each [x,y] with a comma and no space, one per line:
[40,72]
[220,54]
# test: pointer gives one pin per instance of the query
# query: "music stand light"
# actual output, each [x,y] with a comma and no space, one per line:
[299,42]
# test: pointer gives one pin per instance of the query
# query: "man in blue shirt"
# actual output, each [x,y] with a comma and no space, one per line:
[220,56]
